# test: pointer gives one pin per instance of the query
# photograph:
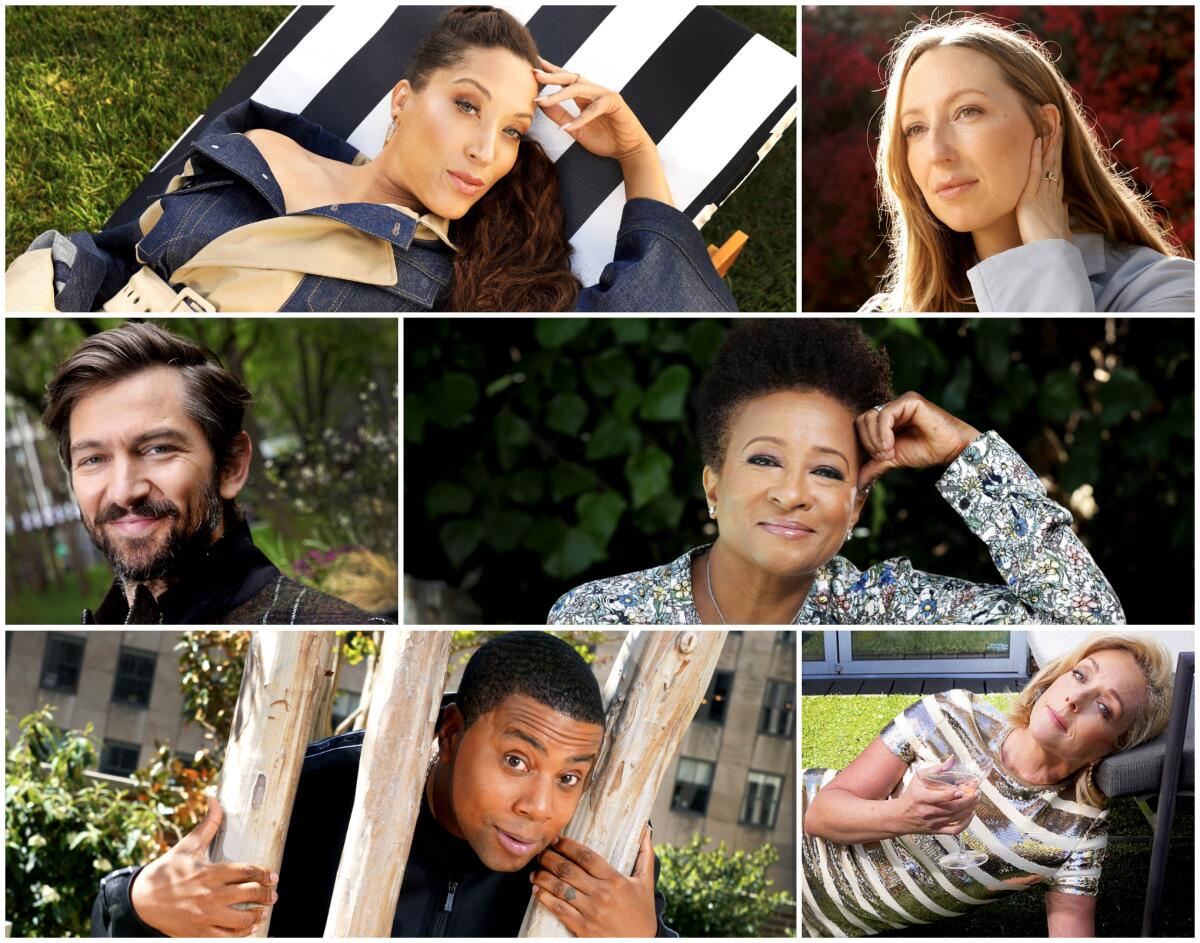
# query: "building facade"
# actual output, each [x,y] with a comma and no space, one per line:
[731,780]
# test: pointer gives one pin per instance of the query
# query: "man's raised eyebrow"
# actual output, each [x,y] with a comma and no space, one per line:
[1116,696]
[948,99]
[522,735]
[488,96]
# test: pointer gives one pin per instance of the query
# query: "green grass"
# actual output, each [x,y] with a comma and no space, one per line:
[58,606]
[95,96]
[835,729]
[764,207]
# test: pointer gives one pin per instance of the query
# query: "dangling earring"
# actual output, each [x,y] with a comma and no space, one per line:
[1091,781]
[850,533]
[390,131]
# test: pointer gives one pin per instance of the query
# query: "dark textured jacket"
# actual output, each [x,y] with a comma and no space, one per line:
[447,890]
[235,584]
[222,229]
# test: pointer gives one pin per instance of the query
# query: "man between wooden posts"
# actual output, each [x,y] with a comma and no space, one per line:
[516,747]
[149,429]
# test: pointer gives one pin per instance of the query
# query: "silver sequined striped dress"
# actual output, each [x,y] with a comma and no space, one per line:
[1031,834]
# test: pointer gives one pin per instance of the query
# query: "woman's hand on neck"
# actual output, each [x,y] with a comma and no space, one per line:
[746,595]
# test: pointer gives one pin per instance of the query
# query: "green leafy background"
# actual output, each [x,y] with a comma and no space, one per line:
[542,453]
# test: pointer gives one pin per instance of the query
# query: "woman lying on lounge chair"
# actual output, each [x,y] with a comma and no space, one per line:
[876,833]
[273,213]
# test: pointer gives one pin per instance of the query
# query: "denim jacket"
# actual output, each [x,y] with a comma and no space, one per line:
[221,229]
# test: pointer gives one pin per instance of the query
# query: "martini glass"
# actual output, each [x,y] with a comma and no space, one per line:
[965,775]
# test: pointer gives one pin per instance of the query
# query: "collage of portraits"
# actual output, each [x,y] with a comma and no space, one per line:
[414,541]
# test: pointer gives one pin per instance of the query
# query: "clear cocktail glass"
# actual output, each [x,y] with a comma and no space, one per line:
[964,775]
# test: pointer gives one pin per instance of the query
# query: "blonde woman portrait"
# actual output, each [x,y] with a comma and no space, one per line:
[1037,816]
[997,190]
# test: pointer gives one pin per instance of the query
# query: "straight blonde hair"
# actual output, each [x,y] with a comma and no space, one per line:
[929,261]
[1149,719]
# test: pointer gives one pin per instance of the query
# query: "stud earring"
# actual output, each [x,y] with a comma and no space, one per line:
[712,510]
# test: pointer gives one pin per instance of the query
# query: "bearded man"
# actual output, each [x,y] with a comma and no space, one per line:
[149,429]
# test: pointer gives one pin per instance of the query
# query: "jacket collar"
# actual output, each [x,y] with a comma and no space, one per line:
[228,574]
[1091,247]
[223,142]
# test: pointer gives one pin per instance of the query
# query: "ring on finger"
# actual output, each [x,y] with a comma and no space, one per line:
[1049,175]
[879,408]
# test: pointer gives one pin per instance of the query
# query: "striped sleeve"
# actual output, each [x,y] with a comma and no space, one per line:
[1080,873]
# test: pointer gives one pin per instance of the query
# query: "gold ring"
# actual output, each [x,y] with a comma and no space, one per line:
[1051,176]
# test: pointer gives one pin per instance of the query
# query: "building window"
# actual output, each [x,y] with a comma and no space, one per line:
[712,707]
[61,663]
[693,783]
[135,677]
[786,637]
[119,758]
[343,706]
[761,803]
[778,709]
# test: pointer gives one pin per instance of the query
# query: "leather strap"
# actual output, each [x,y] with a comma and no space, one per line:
[146,291]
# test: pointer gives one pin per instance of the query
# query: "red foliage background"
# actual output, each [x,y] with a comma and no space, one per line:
[1132,67]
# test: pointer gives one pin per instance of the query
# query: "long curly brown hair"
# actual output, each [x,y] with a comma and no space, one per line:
[513,251]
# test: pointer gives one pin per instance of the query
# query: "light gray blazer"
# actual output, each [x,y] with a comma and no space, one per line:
[1089,274]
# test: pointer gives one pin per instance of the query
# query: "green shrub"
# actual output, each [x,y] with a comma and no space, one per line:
[63,831]
[715,892]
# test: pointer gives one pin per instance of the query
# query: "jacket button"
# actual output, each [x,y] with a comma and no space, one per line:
[334,208]
[265,177]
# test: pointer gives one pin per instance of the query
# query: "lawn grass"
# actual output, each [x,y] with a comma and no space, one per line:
[835,729]
[60,606]
[96,95]
[94,99]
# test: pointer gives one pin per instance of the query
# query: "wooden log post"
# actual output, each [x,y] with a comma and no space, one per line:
[406,699]
[285,675]
[653,691]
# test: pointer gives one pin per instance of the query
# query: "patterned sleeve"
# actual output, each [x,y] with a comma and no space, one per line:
[1049,576]
[1080,873]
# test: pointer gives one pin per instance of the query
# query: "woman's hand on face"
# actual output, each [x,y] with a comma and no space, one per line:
[1041,210]
[909,432]
[606,126]
[938,810]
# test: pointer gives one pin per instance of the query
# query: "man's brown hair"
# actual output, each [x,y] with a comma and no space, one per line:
[213,396]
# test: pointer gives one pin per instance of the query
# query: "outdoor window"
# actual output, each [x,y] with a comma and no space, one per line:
[812,646]
[343,706]
[135,677]
[61,663]
[712,707]
[119,758]
[786,637]
[777,710]
[693,783]
[761,803]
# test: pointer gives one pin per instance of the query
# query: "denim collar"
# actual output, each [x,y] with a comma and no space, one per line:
[223,143]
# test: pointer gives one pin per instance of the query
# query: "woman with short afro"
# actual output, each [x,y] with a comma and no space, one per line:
[796,421]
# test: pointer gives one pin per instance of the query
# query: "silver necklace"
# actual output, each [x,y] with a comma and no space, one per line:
[713,598]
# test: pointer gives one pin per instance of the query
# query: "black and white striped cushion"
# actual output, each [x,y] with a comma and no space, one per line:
[713,95]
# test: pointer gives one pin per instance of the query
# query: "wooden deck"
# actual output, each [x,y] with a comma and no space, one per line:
[853,685]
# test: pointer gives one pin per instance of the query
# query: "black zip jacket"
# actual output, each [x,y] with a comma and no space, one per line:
[447,890]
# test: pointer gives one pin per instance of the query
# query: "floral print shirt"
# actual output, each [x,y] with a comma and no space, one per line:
[1048,577]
